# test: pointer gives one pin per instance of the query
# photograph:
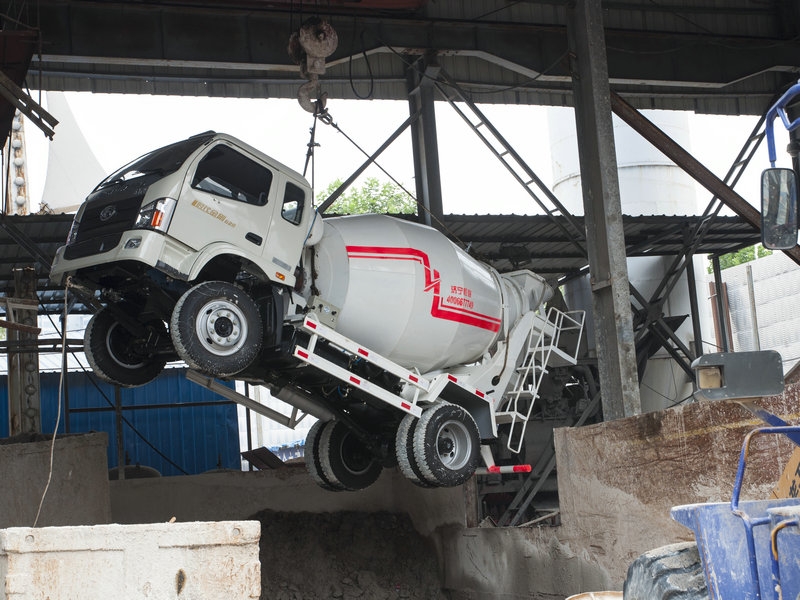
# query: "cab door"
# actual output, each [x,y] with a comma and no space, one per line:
[228,198]
[290,229]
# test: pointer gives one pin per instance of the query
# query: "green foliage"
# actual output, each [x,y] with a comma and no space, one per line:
[373,196]
[741,256]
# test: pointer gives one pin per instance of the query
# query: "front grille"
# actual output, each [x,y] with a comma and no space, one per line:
[118,208]
[95,245]
[92,226]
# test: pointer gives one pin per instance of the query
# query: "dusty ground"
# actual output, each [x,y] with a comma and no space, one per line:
[369,556]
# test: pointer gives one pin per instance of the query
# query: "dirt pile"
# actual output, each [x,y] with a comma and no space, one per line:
[347,555]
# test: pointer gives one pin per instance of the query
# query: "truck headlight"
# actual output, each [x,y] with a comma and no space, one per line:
[73,231]
[156,215]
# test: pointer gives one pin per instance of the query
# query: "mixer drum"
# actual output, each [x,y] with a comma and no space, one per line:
[405,291]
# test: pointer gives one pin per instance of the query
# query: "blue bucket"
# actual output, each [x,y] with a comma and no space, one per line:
[734,546]
[735,538]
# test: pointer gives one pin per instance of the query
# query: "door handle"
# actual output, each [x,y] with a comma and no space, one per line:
[252,237]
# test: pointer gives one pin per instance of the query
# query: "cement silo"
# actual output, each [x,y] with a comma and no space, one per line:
[650,184]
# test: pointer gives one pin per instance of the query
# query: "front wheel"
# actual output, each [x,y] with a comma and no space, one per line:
[671,572]
[446,445]
[119,356]
[216,328]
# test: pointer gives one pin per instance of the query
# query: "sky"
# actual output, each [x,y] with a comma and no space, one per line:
[121,127]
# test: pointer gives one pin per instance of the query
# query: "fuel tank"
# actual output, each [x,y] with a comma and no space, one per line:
[407,292]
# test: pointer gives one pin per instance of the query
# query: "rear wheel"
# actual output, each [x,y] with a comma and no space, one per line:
[119,356]
[312,458]
[446,445]
[671,572]
[216,328]
[346,461]
[404,448]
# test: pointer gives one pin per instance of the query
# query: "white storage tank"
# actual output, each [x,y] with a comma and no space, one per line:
[405,291]
[650,184]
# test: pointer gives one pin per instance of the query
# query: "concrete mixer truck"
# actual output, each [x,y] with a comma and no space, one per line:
[406,349]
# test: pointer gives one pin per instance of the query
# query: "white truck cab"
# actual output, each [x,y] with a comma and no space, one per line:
[182,208]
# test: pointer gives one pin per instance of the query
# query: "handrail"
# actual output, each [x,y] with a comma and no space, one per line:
[779,109]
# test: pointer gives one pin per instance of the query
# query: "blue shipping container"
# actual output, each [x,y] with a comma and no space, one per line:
[172,425]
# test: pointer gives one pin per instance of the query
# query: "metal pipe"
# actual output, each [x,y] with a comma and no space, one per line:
[120,442]
[722,325]
[302,401]
[751,293]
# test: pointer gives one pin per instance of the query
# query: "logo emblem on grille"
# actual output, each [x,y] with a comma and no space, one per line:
[108,212]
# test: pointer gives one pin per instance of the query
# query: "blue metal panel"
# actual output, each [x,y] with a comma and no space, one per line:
[171,424]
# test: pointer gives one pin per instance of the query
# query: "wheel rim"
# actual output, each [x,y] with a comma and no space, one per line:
[453,445]
[354,456]
[221,327]
[120,348]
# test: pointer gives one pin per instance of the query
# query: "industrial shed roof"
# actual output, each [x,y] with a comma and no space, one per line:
[508,242]
[716,56]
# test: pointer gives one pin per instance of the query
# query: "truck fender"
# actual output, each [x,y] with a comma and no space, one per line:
[194,265]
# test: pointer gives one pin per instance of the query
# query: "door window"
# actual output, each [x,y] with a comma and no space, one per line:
[293,201]
[227,173]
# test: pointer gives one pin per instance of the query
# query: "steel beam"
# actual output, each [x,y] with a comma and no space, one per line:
[424,144]
[601,199]
[691,165]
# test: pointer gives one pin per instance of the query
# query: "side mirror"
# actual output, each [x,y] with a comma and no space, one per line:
[778,209]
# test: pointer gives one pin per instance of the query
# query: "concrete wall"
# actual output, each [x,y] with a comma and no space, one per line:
[201,561]
[617,482]
[239,495]
[78,492]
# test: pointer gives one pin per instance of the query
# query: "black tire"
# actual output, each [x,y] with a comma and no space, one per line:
[404,449]
[216,328]
[346,462]
[119,356]
[446,445]
[671,572]
[313,464]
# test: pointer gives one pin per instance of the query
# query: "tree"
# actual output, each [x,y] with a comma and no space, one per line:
[373,196]
[742,256]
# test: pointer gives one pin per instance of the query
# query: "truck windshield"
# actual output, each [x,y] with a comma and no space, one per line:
[163,161]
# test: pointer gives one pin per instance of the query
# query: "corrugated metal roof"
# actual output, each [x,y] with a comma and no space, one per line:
[539,243]
[507,242]
[718,56]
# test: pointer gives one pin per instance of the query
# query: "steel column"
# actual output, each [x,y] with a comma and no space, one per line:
[604,229]
[722,325]
[24,400]
[420,79]
[691,281]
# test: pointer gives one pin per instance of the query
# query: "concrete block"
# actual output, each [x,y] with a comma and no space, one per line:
[196,561]
[78,492]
